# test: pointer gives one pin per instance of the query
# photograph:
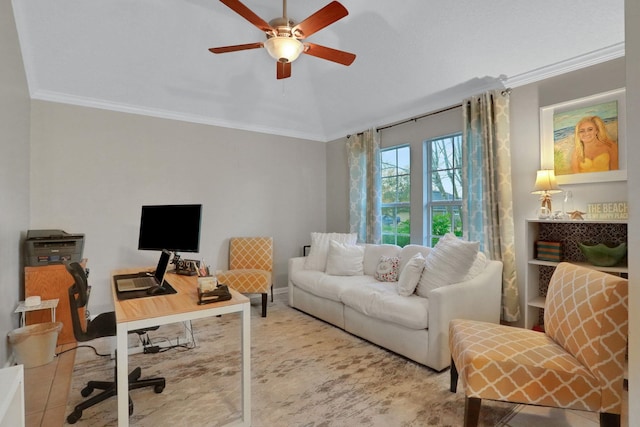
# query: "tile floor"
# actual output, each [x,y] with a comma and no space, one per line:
[47,388]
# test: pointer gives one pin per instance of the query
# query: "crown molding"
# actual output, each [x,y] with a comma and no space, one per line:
[63,98]
[592,58]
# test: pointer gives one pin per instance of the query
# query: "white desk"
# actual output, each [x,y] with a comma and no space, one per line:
[163,309]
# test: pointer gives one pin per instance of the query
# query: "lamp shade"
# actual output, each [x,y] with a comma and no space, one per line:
[284,49]
[546,182]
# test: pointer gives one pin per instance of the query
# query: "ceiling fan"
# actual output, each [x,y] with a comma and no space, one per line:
[283,36]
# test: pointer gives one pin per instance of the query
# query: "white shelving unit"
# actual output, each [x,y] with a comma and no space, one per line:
[12,397]
[565,231]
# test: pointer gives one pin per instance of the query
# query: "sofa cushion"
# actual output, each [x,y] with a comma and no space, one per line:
[447,263]
[317,258]
[381,301]
[410,275]
[372,254]
[387,270]
[344,260]
[323,285]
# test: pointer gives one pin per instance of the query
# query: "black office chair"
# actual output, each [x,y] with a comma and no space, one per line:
[103,325]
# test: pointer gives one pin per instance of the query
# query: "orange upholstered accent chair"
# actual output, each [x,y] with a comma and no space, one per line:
[577,363]
[250,267]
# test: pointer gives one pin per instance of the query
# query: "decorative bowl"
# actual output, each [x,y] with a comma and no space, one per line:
[603,255]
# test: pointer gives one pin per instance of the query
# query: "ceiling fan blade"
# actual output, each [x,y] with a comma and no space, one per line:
[323,52]
[283,70]
[248,14]
[225,49]
[322,18]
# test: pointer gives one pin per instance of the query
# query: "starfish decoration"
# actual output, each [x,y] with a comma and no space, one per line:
[576,214]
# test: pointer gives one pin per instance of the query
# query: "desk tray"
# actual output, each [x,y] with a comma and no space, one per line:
[220,293]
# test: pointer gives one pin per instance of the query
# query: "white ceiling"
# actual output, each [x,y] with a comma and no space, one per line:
[413,57]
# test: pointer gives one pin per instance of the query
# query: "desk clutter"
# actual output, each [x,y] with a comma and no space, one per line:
[186,267]
[216,294]
[209,290]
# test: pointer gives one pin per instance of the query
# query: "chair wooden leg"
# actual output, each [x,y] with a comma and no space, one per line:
[454,378]
[471,411]
[264,305]
[609,420]
[271,293]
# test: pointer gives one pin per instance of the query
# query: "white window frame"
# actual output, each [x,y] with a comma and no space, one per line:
[430,239]
[396,205]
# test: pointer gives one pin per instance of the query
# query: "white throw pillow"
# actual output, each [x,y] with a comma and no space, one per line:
[478,266]
[410,275]
[317,258]
[447,263]
[344,260]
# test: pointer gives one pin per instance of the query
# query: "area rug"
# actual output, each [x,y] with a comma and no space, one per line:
[305,373]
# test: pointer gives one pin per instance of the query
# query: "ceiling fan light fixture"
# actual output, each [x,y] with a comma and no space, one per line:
[283,48]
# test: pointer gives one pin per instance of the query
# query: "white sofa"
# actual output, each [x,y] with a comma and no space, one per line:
[413,326]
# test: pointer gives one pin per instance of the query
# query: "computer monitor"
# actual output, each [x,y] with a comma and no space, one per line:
[175,228]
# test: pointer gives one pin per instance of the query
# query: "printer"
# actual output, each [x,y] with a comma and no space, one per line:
[45,247]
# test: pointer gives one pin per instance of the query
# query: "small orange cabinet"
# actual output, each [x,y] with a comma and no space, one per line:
[48,282]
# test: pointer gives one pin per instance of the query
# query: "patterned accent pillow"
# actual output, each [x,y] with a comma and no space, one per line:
[387,269]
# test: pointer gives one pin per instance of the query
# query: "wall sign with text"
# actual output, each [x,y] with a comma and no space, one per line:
[608,210]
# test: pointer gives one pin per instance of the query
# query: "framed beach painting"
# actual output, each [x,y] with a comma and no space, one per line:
[584,140]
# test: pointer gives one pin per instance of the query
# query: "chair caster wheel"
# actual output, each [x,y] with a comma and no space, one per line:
[158,389]
[74,417]
[86,391]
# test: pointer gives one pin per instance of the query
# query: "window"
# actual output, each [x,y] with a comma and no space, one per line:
[443,187]
[396,190]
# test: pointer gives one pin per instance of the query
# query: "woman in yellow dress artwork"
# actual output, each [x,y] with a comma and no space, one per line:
[594,150]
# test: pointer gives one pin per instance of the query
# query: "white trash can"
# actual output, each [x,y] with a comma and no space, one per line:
[35,345]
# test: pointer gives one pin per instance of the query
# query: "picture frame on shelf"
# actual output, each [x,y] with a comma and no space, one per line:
[561,140]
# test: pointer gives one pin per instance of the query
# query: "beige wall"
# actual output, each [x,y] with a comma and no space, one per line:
[91,170]
[337,207]
[14,171]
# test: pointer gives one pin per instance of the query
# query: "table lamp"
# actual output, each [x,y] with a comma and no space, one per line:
[545,186]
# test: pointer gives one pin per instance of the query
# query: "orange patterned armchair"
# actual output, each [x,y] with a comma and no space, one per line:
[250,267]
[577,363]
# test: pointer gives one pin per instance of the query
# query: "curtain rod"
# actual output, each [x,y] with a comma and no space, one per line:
[504,92]
[415,119]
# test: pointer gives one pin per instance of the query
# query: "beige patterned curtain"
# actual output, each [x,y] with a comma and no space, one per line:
[363,156]
[487,199]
